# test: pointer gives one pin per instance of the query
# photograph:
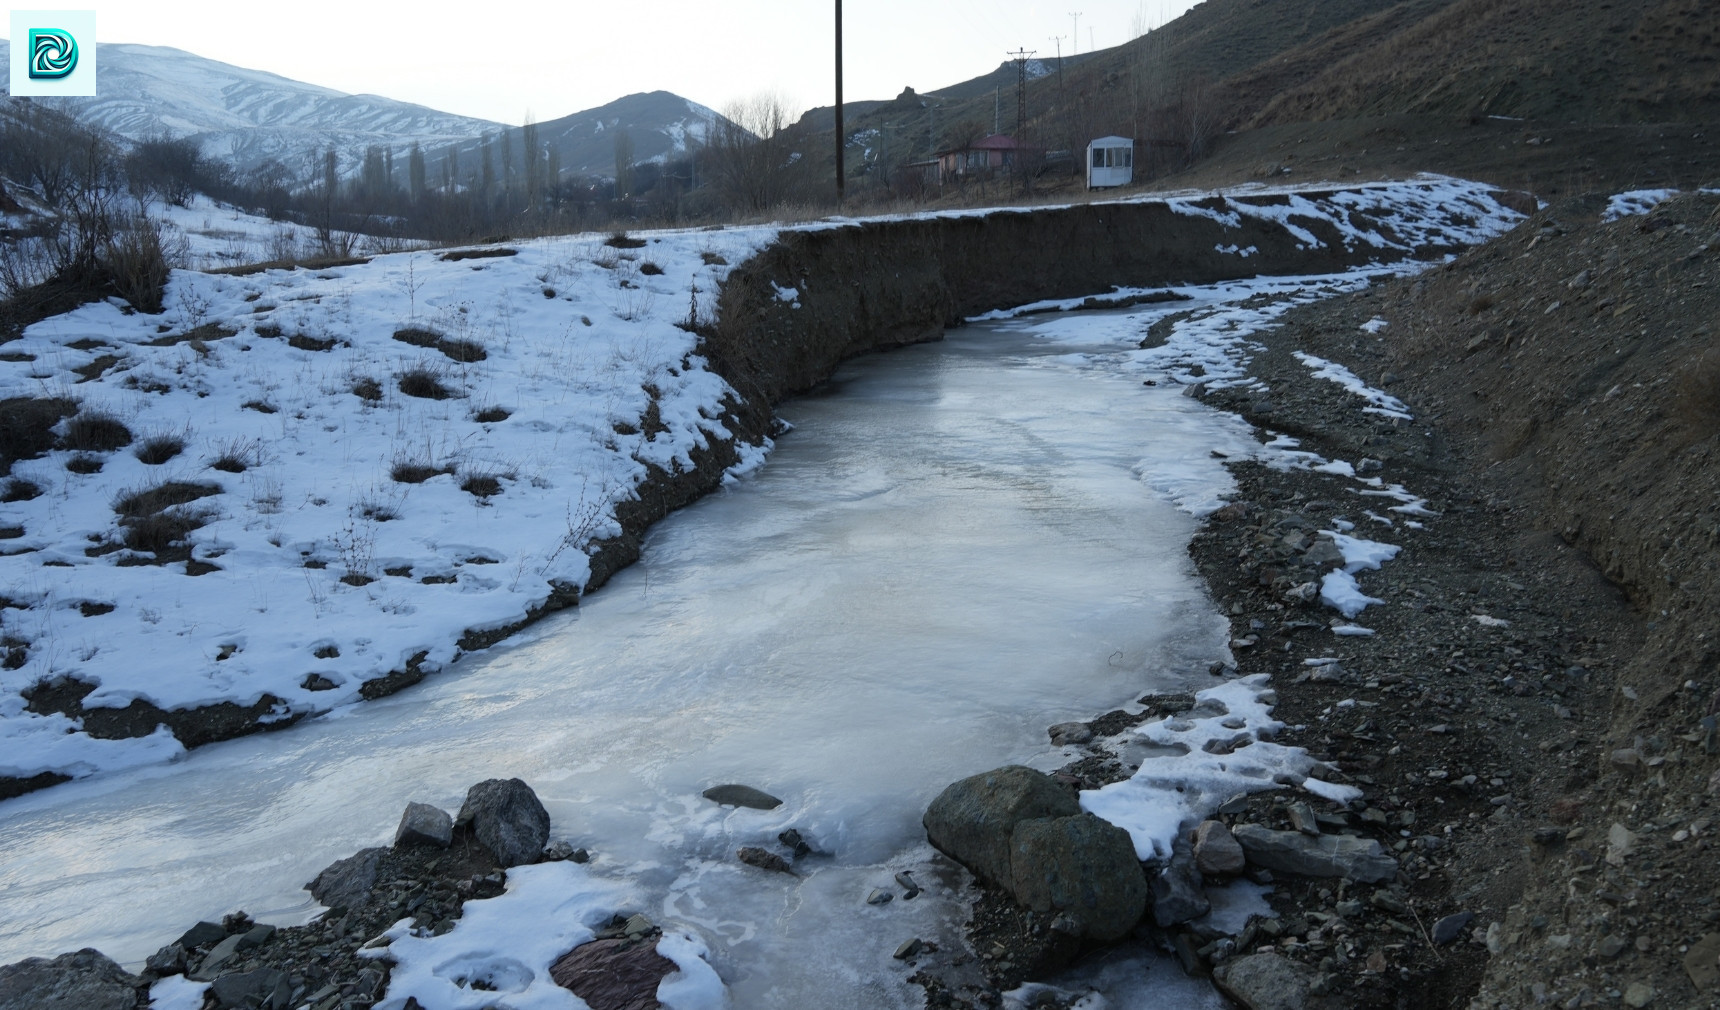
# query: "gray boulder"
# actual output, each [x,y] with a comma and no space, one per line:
[346,883]
[423,824]
[508,819]
[733,795]
[1216,851]
[972,820]
[82,980]
[252,989]
[1081,866]
[1265,982]
[1346,856]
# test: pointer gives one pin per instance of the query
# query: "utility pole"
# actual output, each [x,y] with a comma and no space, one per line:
[1075,43]
[1059,40]
[841,181]
[1021,56]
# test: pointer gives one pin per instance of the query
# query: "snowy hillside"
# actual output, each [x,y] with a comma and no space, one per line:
[248,116]
[661,125]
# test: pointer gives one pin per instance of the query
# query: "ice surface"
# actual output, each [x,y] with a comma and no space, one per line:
[963,547]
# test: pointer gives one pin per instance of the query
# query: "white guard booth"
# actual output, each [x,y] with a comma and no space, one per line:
[1110,162]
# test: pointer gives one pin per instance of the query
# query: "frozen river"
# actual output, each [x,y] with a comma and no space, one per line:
[958,545]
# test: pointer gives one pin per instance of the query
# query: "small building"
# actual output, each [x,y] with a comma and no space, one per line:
[979,159]
[1110,162]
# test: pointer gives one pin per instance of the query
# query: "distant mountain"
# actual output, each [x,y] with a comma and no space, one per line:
[662,126]
[248,116]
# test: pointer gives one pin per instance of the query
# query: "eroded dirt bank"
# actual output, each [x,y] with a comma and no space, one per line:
[1534,721]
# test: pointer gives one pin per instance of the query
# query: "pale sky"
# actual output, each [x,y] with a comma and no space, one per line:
[499,60]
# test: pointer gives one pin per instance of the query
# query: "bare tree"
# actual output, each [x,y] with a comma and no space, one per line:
[751,156]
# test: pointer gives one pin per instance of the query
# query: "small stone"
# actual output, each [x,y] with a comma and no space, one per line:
[1302,818]
[1638,994]
[638,925]
[1066,734]
[1451,927]
[764,860]
[742,796]
[908,949]
[1611,946]
[202,935]
[879,896]
[906,882]
[256,936]
[222,953]
[251,988]
[1621,842]
[1216,851]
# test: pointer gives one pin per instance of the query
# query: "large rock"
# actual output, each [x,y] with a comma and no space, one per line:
[346,883]
[508,819]
[82,980]
[972,821]
[1346,856]
[614,974]
[423,824]
[1265,982]
[1081,866]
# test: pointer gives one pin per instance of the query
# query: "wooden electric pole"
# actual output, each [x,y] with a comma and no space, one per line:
[841,171]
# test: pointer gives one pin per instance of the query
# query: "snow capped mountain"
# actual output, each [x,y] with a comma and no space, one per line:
[249,116]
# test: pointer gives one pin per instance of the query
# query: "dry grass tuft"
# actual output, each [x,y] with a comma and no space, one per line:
[95,431]
[424,384]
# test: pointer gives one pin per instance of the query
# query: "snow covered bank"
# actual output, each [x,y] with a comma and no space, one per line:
[365,463]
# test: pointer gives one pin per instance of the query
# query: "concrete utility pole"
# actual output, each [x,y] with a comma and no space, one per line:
[1059,40]
[1075,43]
[841,138]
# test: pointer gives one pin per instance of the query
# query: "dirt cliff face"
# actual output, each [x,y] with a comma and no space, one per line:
[817,297]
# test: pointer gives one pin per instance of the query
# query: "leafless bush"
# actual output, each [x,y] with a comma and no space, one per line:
[155,450]
[424,383]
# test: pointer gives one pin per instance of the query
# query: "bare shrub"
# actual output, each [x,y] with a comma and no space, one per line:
[368,390]
[481,485]
[150,500]
[424,383]
[414,472]
[158,449]
[490,415]
[159,533]
[236,455]
[19,489]
[138,258]
[84,464]
[417,336]
[457,349]
[95,431]
[650,269]
[304,343]
[621,240]
[27,426]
